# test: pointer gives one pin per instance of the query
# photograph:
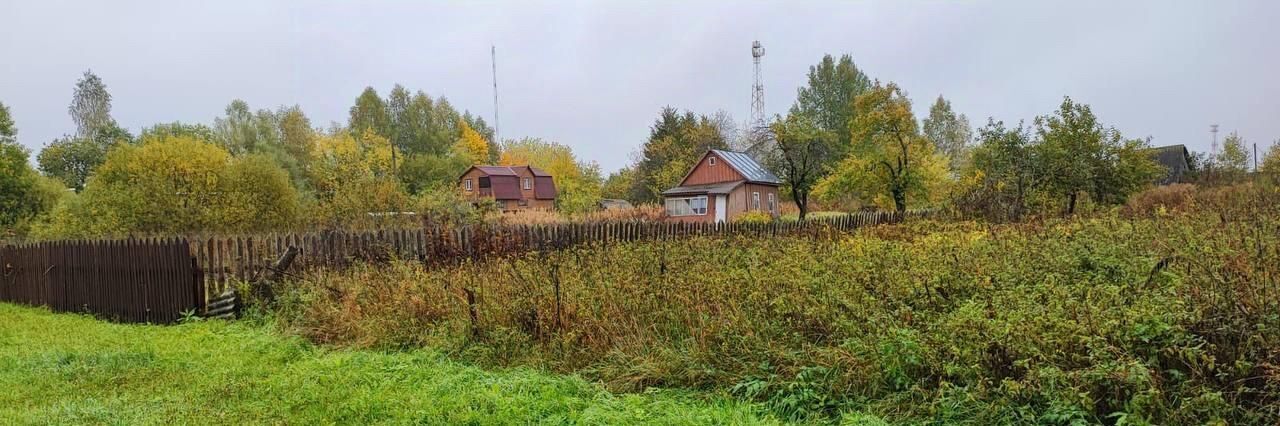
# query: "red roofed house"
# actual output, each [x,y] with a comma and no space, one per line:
[721,186]
[513,187]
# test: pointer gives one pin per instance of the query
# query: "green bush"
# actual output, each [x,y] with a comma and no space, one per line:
[176,185]
[445,206]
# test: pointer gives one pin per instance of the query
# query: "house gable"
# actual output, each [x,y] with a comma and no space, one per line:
[711,168]
[525,177]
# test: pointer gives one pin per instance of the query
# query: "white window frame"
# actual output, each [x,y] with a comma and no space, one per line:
[528,184]
[711,161]
[690,202]
[773,203]
[466,183]
[755,200]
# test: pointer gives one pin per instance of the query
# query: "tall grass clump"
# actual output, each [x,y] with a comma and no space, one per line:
[1165,319]
[640,213]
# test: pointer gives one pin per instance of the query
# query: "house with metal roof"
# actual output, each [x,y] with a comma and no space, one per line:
[1176,161]
[721,186]
[512,187]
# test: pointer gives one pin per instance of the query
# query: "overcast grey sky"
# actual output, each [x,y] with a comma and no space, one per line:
[594,75]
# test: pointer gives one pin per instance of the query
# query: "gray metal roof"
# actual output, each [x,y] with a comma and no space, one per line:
[1175,160]
[749,167]
[710,188]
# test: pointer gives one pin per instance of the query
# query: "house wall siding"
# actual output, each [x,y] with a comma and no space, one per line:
[705,173]
[740,199]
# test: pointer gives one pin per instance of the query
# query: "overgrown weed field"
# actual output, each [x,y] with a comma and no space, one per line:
[1160,313]
[1165,311]
[60,369]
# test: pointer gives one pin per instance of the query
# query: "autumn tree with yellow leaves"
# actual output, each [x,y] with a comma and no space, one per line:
[177,185]
[354,180]
[889,163]
[471,146]
[578,183]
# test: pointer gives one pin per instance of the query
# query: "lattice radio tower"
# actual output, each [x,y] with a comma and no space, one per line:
[1213,128]
[757,129]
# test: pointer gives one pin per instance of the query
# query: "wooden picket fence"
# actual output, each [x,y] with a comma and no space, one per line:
[149,280]
[157,280]
[226,260]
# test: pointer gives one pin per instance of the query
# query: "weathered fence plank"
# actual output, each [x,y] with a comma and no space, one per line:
[134,280]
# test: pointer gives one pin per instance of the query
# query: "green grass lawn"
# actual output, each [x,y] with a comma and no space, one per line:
[69,369]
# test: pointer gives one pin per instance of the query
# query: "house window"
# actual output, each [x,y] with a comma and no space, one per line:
[691,206]
[484,182]
[466,183]
[755,201]
[711,161]
[522,202]
[773,203]
[528,184]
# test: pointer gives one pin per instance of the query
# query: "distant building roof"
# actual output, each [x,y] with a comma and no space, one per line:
[1176,161]
[496,170]
[710,189]
[544,188]
[748,167]
[508,170]
[537,172]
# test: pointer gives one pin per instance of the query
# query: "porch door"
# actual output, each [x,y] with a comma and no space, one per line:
[721,207]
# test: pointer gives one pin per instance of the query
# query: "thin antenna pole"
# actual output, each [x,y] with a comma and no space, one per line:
[493,56]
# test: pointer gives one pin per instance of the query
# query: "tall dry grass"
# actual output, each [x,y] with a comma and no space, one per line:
[1171,320]
[640,213]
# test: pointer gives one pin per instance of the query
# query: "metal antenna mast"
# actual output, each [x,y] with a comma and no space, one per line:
[493,56]
[756,127]
[1213,128]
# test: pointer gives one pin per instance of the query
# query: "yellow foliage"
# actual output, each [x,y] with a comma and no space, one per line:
[353,179]
[889,157]
[472,146]
[1270,166]
[178,184]
[579,184]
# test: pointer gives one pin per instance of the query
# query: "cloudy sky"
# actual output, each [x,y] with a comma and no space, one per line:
[594,75]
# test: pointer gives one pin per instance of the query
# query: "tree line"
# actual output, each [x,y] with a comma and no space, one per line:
[263,170]
[849,142]
[852,142]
